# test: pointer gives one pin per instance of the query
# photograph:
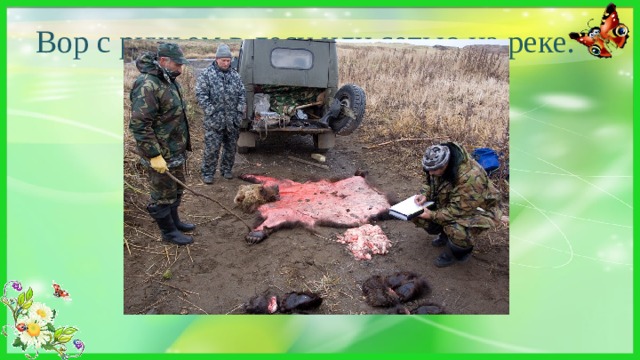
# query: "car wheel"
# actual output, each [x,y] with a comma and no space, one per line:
[353,99]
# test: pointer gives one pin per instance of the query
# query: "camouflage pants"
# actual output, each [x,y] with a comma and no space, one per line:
[459,234]
[164,190]
[213,140]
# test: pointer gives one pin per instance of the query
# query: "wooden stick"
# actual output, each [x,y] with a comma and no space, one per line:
[309,105]
[189,252]
[206,197]
[199,194]
[308,162]
[192,304]
[152,305]
[234,309]
[395,141]
[175,287]
[127,244]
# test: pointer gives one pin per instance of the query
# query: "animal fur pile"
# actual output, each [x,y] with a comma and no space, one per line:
[393,290]
[350,202]
[293,302]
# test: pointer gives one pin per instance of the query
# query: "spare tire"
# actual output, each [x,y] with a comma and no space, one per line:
[353,99]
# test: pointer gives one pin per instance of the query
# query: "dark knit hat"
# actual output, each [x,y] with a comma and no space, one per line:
[435,157]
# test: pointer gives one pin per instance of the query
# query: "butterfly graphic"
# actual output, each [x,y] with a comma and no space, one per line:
[610,31]
[58,292]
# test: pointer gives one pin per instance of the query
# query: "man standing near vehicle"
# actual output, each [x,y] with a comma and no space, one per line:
[221,95]
[466,201]
[159,125]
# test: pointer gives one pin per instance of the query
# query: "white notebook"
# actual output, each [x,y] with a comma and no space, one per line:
[408,209]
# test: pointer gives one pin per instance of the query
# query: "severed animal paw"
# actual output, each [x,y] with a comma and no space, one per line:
[428,309]
[407,285]
[261,304]
[391,290]
[255,237]
[377,293]
[299,301]
[399,278]
[398,310]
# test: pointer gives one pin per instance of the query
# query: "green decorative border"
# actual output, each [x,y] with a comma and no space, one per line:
[189,3]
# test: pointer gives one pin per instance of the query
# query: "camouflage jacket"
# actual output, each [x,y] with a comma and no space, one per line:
[466,196]
[222,97]
[158,114]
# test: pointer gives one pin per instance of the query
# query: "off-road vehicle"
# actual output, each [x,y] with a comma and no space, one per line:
[292,88]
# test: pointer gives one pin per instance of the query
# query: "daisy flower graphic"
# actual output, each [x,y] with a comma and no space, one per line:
[35,334]
[41,311]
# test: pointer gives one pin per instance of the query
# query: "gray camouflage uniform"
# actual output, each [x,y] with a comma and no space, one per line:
[221,95]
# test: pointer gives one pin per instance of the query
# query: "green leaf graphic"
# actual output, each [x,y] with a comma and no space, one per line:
[70,330]
[64,339]
[57,334]
[50,327]
[29,294]
[49,347]
[20,299]
[27,305]
[18,343]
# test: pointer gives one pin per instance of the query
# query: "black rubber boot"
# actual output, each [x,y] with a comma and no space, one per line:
[333,112]
[445,259]
[453,254]
[176,219]
[461,254]
[162,216]
[440,241]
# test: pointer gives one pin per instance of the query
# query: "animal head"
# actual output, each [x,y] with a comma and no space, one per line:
[250,197]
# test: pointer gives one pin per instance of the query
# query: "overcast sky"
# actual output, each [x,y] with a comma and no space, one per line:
[432,42]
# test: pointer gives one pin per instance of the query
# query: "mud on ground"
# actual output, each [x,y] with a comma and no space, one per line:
[219,272]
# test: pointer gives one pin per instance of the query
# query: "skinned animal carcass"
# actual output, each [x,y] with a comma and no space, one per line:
[350,202]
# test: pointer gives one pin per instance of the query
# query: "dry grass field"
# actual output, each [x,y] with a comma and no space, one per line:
[416,96]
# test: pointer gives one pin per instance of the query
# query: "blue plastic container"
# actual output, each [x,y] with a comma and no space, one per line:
[487,158]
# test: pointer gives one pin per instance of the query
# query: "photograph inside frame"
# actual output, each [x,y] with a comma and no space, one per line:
[259,174]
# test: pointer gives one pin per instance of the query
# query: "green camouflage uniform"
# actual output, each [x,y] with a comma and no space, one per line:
[284,99]
[465,206]
[159,125]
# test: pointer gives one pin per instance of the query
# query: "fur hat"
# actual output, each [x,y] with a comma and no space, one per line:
[435,157]
[223,51]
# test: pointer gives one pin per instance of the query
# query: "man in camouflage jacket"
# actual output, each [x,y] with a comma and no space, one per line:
[465,201]
[159,125]
[220,93]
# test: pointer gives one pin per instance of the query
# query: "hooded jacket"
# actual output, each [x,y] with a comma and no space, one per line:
[464,194]
[158,113]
